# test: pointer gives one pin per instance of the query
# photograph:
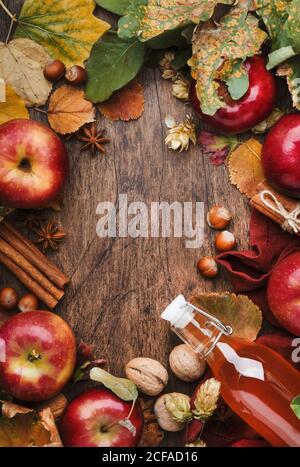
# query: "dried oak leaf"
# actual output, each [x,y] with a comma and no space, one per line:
[22,427]
[150,19]
[21,65]
[68,110]
[237,311]
[245,169]
[218,49]
[66,28]
[13,107]
[125,104]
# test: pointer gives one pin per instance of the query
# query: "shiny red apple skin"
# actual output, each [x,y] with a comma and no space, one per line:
[243,114]
[33,165]
[283,293]
[281,155]
[43,334]
[85,419]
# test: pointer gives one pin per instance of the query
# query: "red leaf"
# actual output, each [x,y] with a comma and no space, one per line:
[125,104]
[250,443]
[281,342]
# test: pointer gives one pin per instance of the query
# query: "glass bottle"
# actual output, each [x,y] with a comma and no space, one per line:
[256,382]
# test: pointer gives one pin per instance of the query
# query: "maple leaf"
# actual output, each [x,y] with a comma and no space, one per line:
[291,70]
[281,18]
[245,169]
[66,28]
[218,49]
[125,104]
[13,107]
[237,311]
[148,19]
[21,65]
[22,427]
[68,110]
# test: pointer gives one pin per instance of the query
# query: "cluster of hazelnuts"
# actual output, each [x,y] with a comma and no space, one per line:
[9,300]
[217,218]
[55,70]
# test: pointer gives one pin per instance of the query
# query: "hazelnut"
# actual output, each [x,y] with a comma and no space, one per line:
[164,418]
[149,375]
[218,217]
[225,241]
[76,75]
[54,70]
[28,302]
[8,298]
[207,266]
[186,364]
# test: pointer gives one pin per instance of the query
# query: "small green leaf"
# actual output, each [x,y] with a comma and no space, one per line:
[122,387]
[238,82]
[173,38]
[295,406]
[181,58]
[115,6]
[112,64]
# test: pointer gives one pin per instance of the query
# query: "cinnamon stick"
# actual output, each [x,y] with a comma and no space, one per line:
[28,281]
[31,270]
[32,254]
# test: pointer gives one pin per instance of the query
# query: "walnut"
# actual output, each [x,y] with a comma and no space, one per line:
[149,375]
[164,417]
[186,364]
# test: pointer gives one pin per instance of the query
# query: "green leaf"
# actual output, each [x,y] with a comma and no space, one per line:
[217,49]
[238,81]
[281,18]
[150,18]
[181,58]
[115,6]
[67,29]
[112,64]
[291,71]
[173,38]
[295,406]
[237,311]
[122,387]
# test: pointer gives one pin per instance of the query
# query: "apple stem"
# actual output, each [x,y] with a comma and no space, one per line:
[34,355]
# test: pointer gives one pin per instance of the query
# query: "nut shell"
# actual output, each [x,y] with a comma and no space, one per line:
[149,375]
[218,217]
[8,298]
[76,75]
[164,418]
[54,70]
[207,266]
[186,364]
[225,241]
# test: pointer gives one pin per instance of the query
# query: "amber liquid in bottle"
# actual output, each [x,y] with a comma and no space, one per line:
[256,382]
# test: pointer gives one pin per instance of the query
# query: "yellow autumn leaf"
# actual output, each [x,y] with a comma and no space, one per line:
[67,29]
[13,107]
[69,110]
[245,169]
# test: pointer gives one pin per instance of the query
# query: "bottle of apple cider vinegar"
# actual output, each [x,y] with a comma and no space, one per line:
[256,382]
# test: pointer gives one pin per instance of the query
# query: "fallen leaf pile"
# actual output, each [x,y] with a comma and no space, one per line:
[245,169]
[68,110]
[125,104]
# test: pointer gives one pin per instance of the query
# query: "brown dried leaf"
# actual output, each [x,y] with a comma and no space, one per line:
[69,110]
[245,168]
[23,427]
[237,311]
[125,104]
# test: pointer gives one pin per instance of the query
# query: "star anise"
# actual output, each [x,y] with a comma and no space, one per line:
[49,236]
[31,218]
[93,139]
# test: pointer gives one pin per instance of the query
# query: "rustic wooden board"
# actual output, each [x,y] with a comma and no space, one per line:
[119,286]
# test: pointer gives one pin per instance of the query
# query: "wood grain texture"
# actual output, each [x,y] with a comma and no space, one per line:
[119,286]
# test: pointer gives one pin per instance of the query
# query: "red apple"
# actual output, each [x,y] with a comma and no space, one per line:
[281,155]
[243,114]
[92,420]
[283,293]
[33,165]
[40,355]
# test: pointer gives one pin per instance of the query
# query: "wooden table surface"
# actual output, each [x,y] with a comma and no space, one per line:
[118,286]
